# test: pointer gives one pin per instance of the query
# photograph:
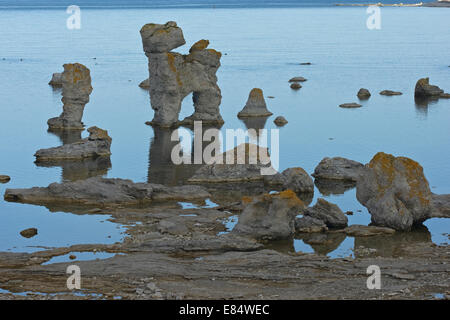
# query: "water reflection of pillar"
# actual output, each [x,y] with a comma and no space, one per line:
[161,168]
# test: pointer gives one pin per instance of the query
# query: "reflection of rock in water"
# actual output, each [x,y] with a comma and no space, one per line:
[255,123]
[73,170]
[161,168]
[323,243]
[394,245]
[67,136]
[422,104]
[333,187]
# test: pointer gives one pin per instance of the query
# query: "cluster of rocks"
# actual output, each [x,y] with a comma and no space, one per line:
[173,76]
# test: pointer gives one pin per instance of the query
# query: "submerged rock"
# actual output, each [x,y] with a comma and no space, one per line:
[425,90]
[269,216]
[308,224]
[328,212]
[29,233]
[173,76]
[390,93]
[338,168]
[280,121]
[350,105]
[397,194]
[366,231]
[363,94]
[255,106]
[76,88]
[98,144]
[4,179]
[102,191]
[56,80]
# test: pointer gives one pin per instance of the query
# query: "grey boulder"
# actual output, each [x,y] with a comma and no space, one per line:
[329,213]
[255,106]
[338,168]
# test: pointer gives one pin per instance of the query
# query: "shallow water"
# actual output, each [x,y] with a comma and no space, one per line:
[263,49]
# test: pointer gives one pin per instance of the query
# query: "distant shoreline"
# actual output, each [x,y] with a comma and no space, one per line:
[441,4]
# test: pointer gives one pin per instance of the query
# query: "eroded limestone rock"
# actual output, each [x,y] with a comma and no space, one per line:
[350,105]
[308,224]
[269,216]
[255,106]
[4,179]
[98,144]
[102,191]
[76,88]
[29,233]
[390,93]
[396,192]
[295,179]
[328,212]
[338,168]
[173,76]
[280,121]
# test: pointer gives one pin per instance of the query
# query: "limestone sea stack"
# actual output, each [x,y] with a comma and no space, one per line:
[173,76]
[255,106]
[76,88]
[98,144]
[424,89]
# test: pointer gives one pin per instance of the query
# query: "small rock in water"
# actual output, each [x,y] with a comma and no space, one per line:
[280,121]
[56,80]
[309,63]
[390,93]
[363,94]
[350,105]
[270,97]
[4,179]
[297,79]
[145,84]
[296,86]
[445,96]
[29,233]
[72,257]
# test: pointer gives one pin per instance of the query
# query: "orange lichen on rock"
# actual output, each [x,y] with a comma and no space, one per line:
[256,93]
[291,196]
[246,200]
[199,45]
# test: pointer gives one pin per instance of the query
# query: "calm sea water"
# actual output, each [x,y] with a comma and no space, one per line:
[263,48]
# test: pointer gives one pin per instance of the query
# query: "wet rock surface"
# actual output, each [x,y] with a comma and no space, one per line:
[270,216]
[98,144]
[295,86]
[255,106]
[366,231]
[101,191]
[396,192]
[173,76]
[295,179]
[338,168]
[76,88]
[298,79]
